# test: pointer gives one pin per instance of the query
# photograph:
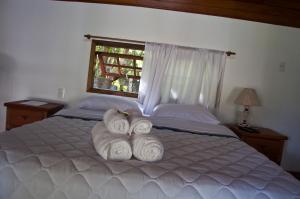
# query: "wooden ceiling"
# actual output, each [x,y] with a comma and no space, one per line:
[280,12]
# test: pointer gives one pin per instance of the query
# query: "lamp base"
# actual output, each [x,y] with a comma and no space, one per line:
[244,124]
[244,117]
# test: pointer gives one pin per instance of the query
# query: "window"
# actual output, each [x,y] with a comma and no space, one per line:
[115,68]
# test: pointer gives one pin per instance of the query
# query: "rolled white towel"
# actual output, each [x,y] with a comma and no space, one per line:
[110,146]
[147,148]
[139,125]
[116,122]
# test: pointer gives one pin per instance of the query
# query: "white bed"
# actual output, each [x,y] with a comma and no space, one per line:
[55,159]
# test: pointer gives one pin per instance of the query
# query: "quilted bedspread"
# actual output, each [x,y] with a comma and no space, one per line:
[55,159]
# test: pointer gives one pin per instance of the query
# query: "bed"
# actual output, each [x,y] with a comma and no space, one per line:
[55,158]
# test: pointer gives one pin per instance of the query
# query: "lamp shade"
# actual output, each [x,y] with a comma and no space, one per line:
[247,97]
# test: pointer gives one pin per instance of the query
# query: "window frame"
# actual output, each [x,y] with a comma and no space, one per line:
[91,72]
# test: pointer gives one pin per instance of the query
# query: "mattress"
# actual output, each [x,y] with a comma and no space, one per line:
[54,158]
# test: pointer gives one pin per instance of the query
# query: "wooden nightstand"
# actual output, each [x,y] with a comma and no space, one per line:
[267,141]
[18,114]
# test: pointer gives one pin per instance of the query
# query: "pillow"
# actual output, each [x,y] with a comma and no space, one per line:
[196,113]
[105,102]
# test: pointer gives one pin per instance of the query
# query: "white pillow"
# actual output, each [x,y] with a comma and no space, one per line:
[105,102]
[196,113]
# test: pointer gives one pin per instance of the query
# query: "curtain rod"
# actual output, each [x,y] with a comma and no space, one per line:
[88,36]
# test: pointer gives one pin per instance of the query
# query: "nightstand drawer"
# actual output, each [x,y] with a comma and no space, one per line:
[19,117]
[23,112]
[271,148]
[267,141]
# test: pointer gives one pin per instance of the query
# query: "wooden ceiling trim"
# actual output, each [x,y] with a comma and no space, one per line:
[279,12]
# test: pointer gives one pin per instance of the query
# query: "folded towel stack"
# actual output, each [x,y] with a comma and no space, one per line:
[147,148]
[111,139]
[139,125]
[111,146]
[115,121]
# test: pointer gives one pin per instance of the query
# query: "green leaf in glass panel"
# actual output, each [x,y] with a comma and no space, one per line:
[130,72]
[109,49]
[123,84]
[110,60]
[139,63]
[138,72]
[116,83]
[99,48]
[123,71]
[130,52]
[136,52]
[119,50]
[140,53]
[126,62]
[114,70]
[122,50]
[108,69]
[105,49]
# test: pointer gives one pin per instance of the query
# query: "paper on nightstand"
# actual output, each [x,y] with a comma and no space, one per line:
[34,103]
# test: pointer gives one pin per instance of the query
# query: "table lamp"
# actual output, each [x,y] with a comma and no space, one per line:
[247,98]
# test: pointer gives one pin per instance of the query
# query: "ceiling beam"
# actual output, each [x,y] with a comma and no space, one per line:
[279,12]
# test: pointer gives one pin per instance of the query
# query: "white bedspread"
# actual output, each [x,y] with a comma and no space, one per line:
[55,159]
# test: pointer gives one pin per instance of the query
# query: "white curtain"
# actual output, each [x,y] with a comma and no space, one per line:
[174,74]
[156,58]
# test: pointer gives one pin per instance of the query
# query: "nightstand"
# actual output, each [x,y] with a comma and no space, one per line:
[23,112]
[267,141]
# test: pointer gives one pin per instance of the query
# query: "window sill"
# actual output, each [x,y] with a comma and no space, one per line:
[110,92]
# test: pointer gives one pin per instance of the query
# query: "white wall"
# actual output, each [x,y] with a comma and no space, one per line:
[42,48]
